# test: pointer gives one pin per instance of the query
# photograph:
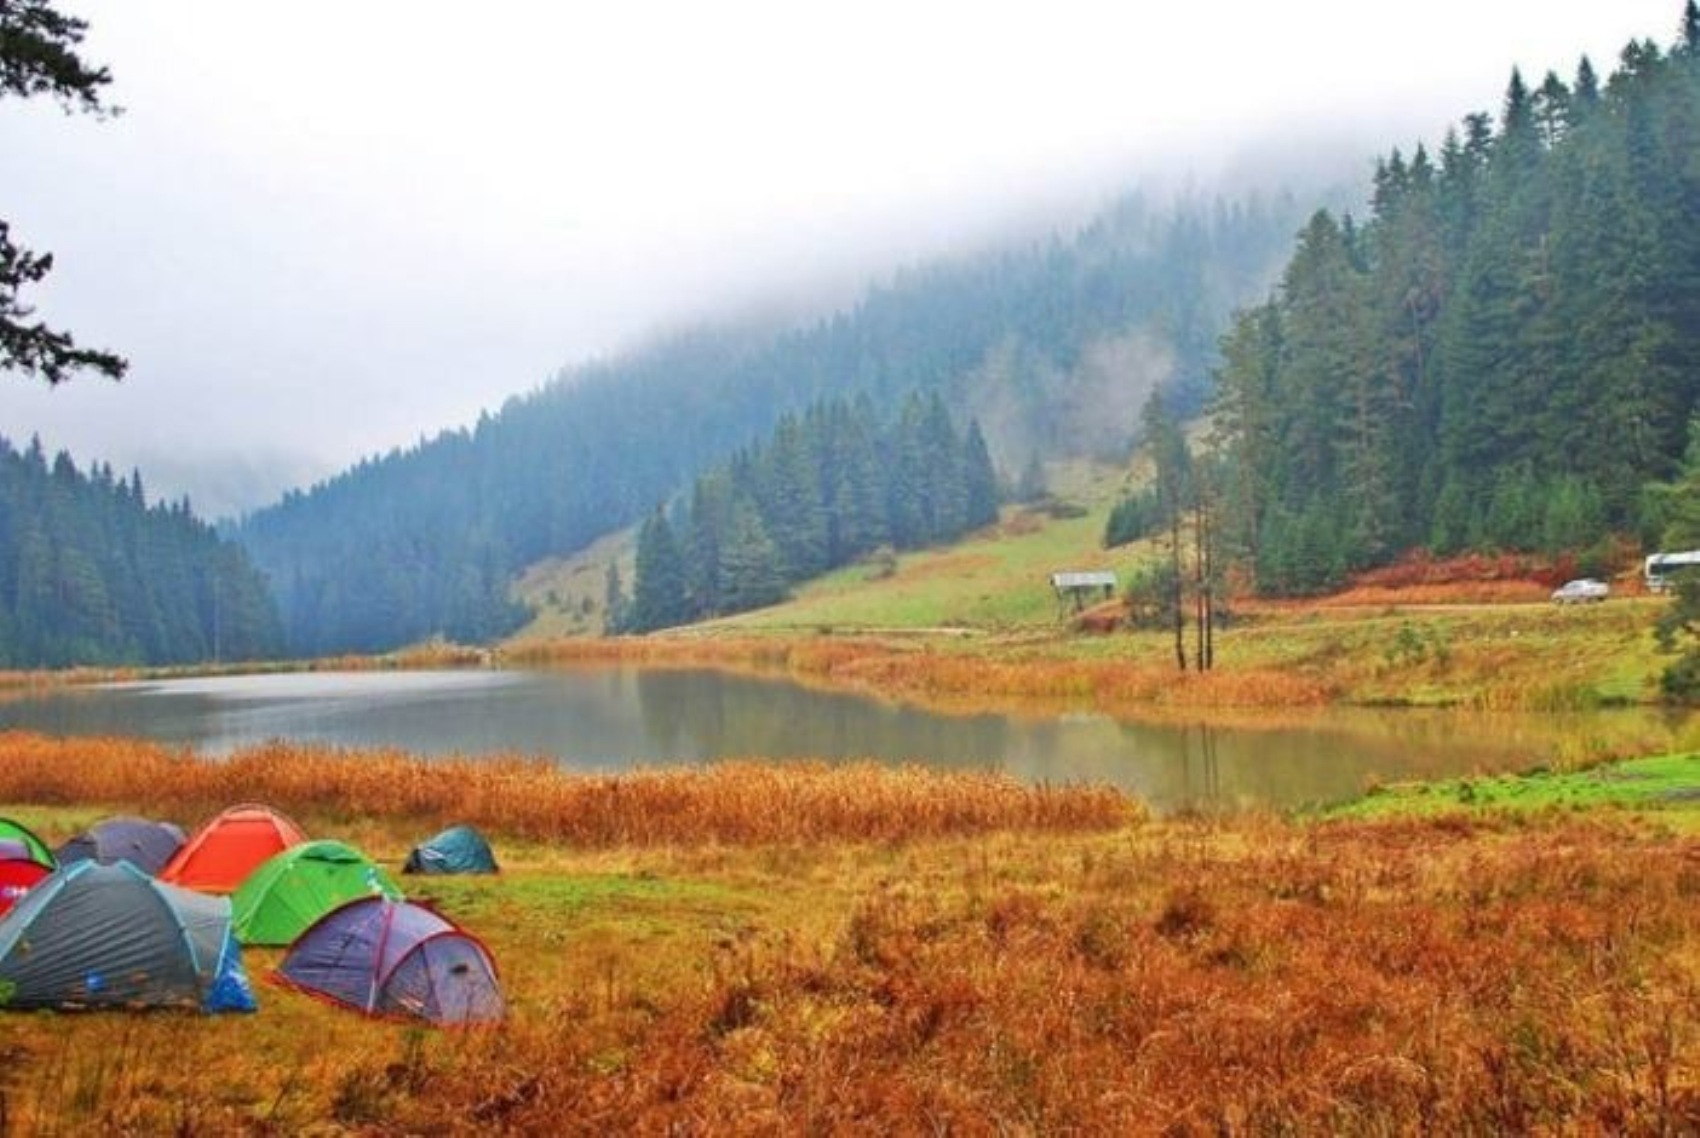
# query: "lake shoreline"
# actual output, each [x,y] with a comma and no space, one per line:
[1489,657]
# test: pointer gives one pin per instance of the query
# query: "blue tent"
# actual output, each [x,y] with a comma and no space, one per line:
[458,849]
[395,958]
[110,936]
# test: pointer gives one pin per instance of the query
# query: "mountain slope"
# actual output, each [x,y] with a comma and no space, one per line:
[1037,343]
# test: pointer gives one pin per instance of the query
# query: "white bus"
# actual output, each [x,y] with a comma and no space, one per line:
[1660,568]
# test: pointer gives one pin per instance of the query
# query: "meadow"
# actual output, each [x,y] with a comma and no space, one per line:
[975,625]
[772,949]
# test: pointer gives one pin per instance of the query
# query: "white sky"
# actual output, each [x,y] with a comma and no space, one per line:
[325,227]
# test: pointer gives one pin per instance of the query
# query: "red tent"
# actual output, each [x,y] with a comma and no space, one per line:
[226,850]
[18,876]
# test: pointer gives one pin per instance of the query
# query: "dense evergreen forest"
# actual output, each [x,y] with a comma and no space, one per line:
[827,488]
[92,574]
[1502,356]
[1045,345]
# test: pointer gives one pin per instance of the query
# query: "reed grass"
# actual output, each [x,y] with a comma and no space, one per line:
[732,803]
[952,675]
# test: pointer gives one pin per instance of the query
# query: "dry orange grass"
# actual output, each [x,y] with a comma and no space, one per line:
[733,803]
[1507,975]
[436,654]
[1439,593]
[1356,979]
[957,679]
[23,682]
[1249,977]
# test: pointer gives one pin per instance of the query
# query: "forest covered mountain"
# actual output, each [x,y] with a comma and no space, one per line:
[1503,356]
[1051,347]
[828,487]
[90,573]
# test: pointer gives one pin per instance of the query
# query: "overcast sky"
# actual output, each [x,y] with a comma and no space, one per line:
[322,228]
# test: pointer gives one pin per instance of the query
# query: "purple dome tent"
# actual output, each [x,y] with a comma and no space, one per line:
[144,844]
[395,958]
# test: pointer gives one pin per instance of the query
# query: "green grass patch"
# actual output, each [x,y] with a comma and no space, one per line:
[564,895]
[998,579]
[1662,783]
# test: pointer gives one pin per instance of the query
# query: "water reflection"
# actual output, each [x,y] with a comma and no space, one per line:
[612,718]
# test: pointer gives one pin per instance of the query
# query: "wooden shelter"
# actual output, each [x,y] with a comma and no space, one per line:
[1078,588]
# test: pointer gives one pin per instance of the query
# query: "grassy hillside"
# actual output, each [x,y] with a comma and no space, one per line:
[994,580]
[568,596]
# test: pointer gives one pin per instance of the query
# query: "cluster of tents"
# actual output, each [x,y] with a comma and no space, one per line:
[136,914]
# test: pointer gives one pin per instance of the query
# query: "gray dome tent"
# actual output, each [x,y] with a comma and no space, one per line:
[110,936]
[458,849]
[144,844]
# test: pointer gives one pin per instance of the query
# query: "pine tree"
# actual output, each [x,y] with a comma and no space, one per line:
[614,601]
[1161,437]
[944,485]
[981,479]
[708,533]
[906,496]
[752,564]
[1679,499]
[859,498]
[1678,629]
[1585,92]
[658,598]
[791,502]
[1552,111]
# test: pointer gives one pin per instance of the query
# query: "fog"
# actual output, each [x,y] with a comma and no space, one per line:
[323,229]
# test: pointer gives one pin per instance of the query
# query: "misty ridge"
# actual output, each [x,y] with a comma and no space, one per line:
[1049,347]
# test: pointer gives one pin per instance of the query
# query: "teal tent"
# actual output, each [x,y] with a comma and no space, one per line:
[458,849]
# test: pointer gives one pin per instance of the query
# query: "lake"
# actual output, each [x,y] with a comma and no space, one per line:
[612,718]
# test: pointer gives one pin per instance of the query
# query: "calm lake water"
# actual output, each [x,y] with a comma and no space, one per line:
[617,717]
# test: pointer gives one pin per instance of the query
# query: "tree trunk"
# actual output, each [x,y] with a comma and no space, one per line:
[1178,600]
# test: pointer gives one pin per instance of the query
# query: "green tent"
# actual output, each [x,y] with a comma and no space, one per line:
[11,831]
[288,893]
